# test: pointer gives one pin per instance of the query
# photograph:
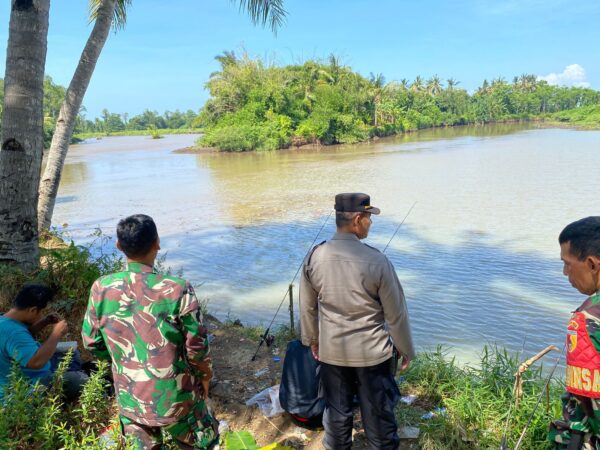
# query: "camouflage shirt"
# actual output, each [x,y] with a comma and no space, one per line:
[150,326]
[577,416]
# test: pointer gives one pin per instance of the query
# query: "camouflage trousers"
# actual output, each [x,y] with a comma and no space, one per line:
[196,431]
[579,428]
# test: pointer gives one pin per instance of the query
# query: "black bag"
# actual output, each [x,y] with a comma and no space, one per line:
[299,388]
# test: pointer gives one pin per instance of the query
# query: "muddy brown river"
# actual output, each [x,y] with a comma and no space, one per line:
[478,256]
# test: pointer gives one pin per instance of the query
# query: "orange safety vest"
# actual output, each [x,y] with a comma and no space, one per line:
[583,360]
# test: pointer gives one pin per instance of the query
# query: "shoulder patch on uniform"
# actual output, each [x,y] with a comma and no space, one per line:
[310,254]
[376,249]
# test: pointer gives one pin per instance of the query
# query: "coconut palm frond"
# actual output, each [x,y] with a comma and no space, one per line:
[120,14]
[265,12]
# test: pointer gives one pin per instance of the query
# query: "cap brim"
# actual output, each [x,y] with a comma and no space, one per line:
[373,210]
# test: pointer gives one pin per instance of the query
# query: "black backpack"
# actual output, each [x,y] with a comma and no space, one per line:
[299,388]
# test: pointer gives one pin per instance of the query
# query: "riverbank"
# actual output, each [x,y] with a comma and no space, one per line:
[444,406]
[450,406]
[534,123]
[158,132]
[586,118]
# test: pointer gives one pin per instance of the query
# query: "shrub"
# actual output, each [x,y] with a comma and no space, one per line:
[68,268]
[35,418]
[477,401]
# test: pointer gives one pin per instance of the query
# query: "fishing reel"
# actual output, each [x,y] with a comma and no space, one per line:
[269,340]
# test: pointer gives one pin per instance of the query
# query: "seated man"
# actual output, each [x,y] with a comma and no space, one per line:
[17,330]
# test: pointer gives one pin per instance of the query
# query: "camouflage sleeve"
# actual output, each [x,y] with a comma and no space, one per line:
[195,335]
[90,330]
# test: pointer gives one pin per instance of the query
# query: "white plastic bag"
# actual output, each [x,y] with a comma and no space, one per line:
[267,401]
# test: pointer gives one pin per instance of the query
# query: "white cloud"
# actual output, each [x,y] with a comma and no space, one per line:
[573,75]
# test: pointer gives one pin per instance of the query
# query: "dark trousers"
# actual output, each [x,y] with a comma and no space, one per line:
[377,393]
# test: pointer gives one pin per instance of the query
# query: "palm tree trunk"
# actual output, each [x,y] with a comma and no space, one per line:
[22,135]
[69,110]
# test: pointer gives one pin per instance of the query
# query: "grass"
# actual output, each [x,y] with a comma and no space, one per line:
[477,401]
[282,334]
[584,117]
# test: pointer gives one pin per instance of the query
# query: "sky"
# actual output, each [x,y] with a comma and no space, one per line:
[165,54]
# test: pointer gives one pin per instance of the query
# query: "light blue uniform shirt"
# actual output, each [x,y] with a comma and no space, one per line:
[16,342]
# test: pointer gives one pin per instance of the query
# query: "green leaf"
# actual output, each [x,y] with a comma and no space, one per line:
[240,440]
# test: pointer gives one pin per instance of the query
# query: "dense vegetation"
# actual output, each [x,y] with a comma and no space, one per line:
[472,404]
[586,116]
[255,106]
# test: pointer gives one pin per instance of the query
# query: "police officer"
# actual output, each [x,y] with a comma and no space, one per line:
[354,318]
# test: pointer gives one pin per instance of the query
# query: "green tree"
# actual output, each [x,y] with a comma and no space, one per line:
[434,86]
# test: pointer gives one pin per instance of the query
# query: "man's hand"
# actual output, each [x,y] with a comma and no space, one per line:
[205,384]
[43,323]
[52,318]
[404,362]
[314,348]
[60,329]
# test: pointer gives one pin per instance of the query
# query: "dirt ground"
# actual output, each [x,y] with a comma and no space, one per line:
[237,379]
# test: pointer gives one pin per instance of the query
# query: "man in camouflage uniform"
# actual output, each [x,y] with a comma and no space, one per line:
[150,326]
[580,426]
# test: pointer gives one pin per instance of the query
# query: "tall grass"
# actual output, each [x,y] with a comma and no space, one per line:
[36,418]
[478,400]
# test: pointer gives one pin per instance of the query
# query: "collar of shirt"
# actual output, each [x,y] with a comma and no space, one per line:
[595,298]
[139,267]
[345,236]
[3,317]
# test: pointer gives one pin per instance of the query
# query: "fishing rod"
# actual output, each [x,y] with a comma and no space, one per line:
[266,333]
[264,337]
[398,227]
[522,436]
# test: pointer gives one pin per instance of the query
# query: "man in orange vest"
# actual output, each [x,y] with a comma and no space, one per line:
[580,253]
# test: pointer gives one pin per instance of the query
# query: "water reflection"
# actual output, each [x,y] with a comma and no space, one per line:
[478,255]
[459,296]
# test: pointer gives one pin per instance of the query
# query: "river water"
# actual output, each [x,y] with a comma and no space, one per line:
[478,256]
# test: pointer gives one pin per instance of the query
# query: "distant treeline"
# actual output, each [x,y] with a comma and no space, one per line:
[256,106]
[148,120]
[54,95]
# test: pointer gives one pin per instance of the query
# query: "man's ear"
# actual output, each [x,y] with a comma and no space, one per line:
[157,243]
[593,263]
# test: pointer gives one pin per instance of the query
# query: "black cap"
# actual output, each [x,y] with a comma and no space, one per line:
[354,202]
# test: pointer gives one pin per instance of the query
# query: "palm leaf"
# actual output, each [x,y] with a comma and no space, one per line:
[265,12]
[120,16]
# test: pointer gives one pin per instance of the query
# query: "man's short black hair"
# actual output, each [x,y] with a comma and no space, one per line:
[583,237]
[33,295]
[136,235]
